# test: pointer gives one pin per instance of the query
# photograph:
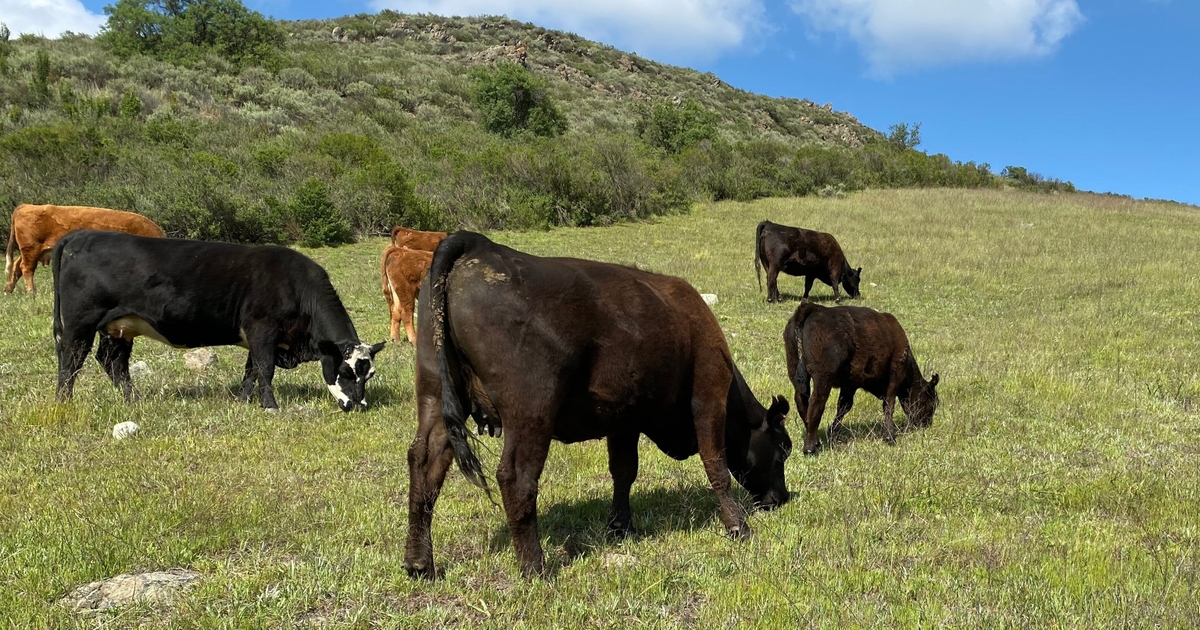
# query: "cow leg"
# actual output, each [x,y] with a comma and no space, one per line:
[889,425]
[623,465]
[808,282]
[845,404]
[812,418]
[113,355]
[73,348]
[12,269]
[429,457]
[521,464]
[262,355]
[708,405]
[837,292]
[773,282]
[406,316]
[247,391]
[801,385]
[29,261]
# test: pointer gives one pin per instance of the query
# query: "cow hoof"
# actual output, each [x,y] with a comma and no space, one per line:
[419,571]
[272,410]
[740,532]
[811,451]
[619,530]
[890,440]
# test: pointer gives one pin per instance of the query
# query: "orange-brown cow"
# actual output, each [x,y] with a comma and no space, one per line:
[401,269]
[416,239]
[35,230]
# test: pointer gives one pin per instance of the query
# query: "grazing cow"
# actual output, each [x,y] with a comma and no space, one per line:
[800,252]
[35,230]
[852,348]
[401,270]
[273,301]
[416,239]
[571,350]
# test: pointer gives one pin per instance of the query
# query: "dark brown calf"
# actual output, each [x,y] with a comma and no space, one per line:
[800,252]
[416,239]
[401,270]
[571,350]
[852,348]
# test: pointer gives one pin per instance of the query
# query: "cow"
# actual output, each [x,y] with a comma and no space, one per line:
[416,239]
[800,252]
[571,350]
[401,270]
[852,348]
[35,230]
[273,301]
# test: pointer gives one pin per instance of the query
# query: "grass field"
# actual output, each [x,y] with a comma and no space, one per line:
[1059,485]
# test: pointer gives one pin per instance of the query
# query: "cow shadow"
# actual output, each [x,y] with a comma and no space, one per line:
[286,393]
[574,530]
[866,430]
[826,298]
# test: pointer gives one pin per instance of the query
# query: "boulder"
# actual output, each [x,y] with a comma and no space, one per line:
[139,368]
[709,298]
[157,588]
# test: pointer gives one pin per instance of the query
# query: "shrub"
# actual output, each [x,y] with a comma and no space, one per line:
[903,137]
[40,84]
[674,129]
[186,30]
[511,100]
[131,106]
[5,48]
[316,217]
[270,160]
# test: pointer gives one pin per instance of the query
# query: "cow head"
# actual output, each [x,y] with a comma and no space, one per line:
[921,401]
[347,367]
[761,473]
[850,281]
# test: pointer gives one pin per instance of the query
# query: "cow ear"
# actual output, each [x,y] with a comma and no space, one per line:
[778,411]
[933,381]
[377,347]
[329,348]
[860,270]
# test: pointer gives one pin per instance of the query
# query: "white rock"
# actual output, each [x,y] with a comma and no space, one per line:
[125,429]
[139,368]
[200,359]
[709,298]
[154,588]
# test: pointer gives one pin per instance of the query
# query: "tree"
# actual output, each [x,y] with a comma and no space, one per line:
[182,30]
[903,137]
[511,100]
[675,128]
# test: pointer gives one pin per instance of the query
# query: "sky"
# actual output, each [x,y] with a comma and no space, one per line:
[1103,93]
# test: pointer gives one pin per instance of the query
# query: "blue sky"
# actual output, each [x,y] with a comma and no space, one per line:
[1104,93]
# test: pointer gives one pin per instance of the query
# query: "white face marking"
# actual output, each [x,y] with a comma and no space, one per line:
[336,390]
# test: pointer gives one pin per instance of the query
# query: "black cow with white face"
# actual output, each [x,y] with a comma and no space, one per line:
[273,301]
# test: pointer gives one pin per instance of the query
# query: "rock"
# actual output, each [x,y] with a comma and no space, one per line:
[628,64]
[139,368]
[571,74]
[619,560]
[122,430]
[156,588]
[200,359]
[513,53]
[337,32]
[709,298]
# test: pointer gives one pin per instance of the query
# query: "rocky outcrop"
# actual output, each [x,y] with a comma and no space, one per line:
[157,588]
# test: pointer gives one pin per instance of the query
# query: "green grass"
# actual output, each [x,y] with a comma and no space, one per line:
[1059,485]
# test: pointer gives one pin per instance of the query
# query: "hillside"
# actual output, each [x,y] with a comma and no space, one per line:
[373,117]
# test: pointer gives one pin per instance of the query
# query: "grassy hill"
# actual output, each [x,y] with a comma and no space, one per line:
[376,113]
[1059,485]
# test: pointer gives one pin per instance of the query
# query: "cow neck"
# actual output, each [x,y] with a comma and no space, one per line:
[330,320]
[742,407]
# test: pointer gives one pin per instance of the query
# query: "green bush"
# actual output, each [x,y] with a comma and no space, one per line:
[270,160]
[40,84]
[316,217]
[5,48]
[131,105]
[674,129]
[511,100]
[186,30]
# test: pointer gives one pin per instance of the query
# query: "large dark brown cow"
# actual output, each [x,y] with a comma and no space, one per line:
[35,230]
[800,252]
[571,350]
[852,348]
[416,239]
[401,270]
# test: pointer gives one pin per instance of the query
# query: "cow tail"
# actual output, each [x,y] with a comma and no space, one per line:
[12,245]
[454,412]
[55,268]
[758,253]
[792,334]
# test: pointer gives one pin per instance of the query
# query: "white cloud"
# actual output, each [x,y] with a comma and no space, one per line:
[897,35]
[669,29]
[48,17]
